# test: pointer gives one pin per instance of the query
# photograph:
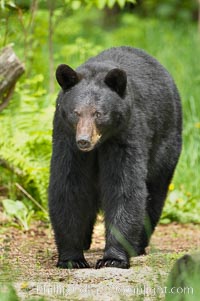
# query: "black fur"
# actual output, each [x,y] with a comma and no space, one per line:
[116,79]
[128,172]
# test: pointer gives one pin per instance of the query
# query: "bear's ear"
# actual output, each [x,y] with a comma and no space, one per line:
[116,79]
[66,76]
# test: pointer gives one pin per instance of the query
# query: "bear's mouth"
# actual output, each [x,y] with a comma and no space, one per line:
[84,149]
[86,145]
[87,137]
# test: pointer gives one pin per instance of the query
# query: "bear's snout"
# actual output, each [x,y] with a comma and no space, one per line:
[87,134]
[84,142]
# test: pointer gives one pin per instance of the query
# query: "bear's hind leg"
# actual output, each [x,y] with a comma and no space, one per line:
[157,192]
[160,172]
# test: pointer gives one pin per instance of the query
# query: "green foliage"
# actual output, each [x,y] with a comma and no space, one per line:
[26,135]
[170,9]
[8,293]
[179,207]
[100,4]
[183,281]
[4,3]
[110,3]
[18,210]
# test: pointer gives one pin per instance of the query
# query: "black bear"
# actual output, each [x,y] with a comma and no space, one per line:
[116,142]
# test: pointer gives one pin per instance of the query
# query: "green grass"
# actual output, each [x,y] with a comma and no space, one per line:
[8,293]
[26,139]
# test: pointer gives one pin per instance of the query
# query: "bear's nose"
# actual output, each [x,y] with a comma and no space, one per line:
[83,143]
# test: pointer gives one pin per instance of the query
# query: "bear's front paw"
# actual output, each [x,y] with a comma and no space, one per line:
[112,263]
[73,264]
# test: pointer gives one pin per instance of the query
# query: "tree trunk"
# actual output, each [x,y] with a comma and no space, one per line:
[51,5]
[199,16]
[10,70]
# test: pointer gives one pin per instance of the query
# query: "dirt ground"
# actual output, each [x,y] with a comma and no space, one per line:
[27,259]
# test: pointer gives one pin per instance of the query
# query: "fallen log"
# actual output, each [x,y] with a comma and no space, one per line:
[10,71]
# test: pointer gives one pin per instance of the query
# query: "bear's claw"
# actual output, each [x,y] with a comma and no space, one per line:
[112,263]
[73,264]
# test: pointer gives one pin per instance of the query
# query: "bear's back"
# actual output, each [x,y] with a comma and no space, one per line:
[132,60]
[143,71]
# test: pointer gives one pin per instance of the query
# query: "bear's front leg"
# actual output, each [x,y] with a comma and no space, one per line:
[72,204]
[69,228]
[69,232]
[124,195]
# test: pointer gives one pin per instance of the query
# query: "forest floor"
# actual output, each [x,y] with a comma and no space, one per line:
[28,259]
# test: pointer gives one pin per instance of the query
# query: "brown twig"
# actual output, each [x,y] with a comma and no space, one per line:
[27,29]
[30,197]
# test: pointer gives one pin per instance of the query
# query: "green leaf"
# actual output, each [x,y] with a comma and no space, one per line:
[2,2]
[101,4]
[121,3]
[19,211]
[132,1]
[111,3]
[76,4]
[14,207]
[165,221]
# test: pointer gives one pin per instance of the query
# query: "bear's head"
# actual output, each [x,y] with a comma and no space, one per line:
[93,106]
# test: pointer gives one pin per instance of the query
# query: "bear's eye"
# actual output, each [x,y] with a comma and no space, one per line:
[97,114]
[76,113]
